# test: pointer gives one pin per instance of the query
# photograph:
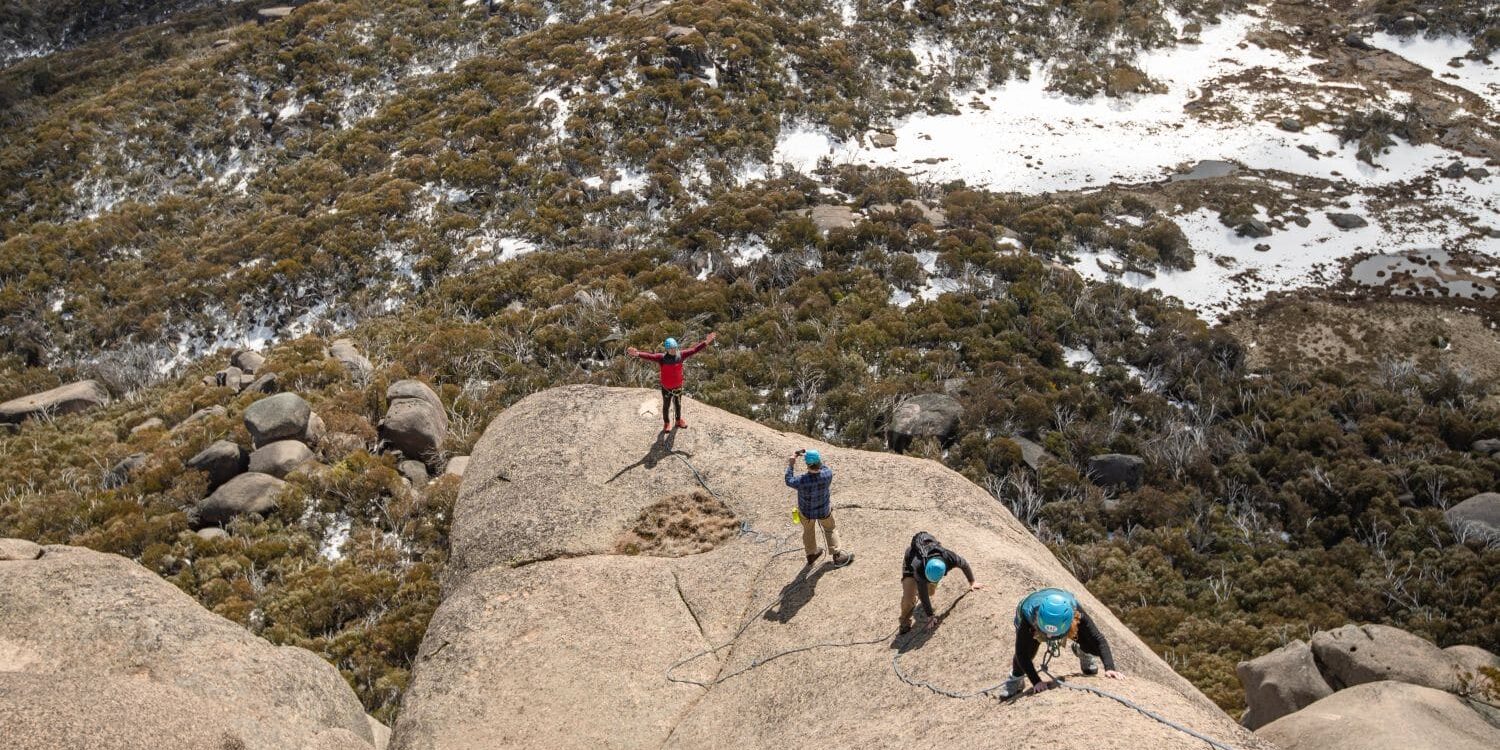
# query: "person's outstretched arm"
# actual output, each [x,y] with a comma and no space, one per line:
[700,346]
[1093,642]
[957,561]
[638,354]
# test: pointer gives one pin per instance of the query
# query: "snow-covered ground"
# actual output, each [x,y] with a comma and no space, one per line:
[1435,54]
[1020,137]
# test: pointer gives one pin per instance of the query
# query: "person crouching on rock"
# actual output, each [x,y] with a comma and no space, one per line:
[925,564]
[670,375]
[815,506]
[1053,616]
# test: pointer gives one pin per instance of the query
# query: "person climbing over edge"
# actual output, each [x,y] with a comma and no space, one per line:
[1054,616]
[670,375]
[815,506]
[926,562]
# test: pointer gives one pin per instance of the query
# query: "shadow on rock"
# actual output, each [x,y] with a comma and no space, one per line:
[661,448]
[796,593]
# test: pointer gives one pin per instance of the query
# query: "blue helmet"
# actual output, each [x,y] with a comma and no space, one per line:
[935,569]
[669,344]
[813,457]
[1052,616]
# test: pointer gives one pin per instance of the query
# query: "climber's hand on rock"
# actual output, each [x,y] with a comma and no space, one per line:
[1042,687]
[976,587]
[1113,675]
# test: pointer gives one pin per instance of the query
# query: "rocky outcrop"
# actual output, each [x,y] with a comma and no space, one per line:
[198,417]
[1384,716]
[248,361]
[98,652]
[123,470]
[1481,513]
[246,493]
[19,549]
[284,416]
[1117,470]
[222,461]
[456,466]
[1357,654]
[280,458]
[149,425]
[542,619]
[350,357]
[933,415]
[415,422]
[1280,682]
[66,399]
[414,471]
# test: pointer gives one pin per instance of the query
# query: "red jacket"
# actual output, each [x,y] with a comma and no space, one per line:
[671,366]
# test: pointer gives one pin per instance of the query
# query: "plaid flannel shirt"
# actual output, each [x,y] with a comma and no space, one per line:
[813,497]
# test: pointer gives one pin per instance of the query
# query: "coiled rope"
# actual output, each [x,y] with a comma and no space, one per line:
[760,537]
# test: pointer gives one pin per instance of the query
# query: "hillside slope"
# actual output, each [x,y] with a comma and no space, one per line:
[546,637]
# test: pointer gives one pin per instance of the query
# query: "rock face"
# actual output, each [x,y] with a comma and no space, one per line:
[1117,470]
[1384,716]
[222,461]
[19,549]
[1279,683]
[283,416]
[248,361]
[98,652]
[280,458]
[540,619]
[246,493]
[415,422]
[457,466]
[66,399]
[928,415]
[349,356]
[1482,510]
[1357,654]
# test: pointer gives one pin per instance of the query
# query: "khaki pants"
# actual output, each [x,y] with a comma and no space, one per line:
[909,597]
[810,535]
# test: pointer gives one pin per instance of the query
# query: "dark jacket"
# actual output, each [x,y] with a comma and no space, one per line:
[924,547]
[1089,639]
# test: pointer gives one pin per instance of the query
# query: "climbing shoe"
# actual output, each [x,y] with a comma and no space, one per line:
[666,427]
[1089,662]
[842,559]
[813,557]
[1012,687]
[905,628]
[681,423]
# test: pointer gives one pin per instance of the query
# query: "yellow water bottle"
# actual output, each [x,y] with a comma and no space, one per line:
[796,517]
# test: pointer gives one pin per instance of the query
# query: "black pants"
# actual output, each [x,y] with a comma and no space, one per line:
[671,399]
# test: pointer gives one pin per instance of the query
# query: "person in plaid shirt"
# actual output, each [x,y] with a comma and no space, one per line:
[815,505]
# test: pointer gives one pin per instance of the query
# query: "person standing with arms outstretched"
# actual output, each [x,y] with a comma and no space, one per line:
[670,375]
[815,506]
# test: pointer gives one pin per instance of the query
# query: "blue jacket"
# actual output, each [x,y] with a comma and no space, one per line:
[813,497]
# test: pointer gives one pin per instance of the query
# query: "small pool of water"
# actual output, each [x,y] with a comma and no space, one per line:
[1422,273]
[1206,170]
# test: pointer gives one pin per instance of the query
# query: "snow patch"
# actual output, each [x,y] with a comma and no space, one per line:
[1435,53]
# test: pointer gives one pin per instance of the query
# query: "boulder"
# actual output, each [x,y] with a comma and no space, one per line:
[1357,654]
[1032,453]
[248,361]
[1347,221]
[1117,470]
[1280,682]
[212,532]
[926,415]
[79,615]
[883,140]
[280,458]
[222,461]
[283,416]
[1482,510]
[542,618]
[274,13]
[1455,169]
[199,416]
[1470,660]
[828,218]
[415,472]
[456,466]
[246,493]
[19,549]
[109,712]
[65,399]
[315,431]
[349,356]
[415,422]
[1487,445]
[121,472]
[1478,174]
[264,383]
[380,732]
[1384,716]
[153,423]
[1290,124]
[1254,228]
[230,377]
